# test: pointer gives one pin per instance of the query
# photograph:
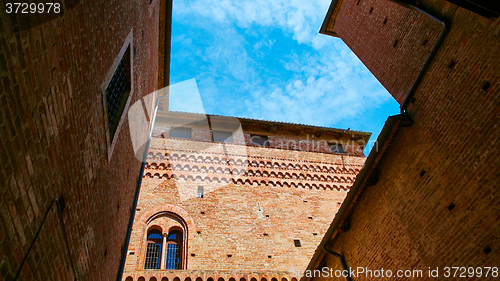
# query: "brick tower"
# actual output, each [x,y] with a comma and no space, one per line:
[227,198]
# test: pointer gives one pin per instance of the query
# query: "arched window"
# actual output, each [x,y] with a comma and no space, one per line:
[153,250]
[174,250]
[165,249]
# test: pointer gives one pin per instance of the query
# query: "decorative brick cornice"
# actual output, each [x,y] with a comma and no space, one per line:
[264,181]
[253,161]
[205,275]
[142,220]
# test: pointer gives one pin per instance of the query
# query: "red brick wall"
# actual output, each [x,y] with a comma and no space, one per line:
[296,204]
[449,155]
[218,275]
[392,41]
[53,144]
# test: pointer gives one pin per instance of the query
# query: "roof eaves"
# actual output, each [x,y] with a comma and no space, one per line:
[324,26]
[279,123]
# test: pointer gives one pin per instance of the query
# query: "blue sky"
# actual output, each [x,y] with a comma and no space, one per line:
[267,60]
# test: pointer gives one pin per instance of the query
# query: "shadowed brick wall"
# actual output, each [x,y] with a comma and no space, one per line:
[53,137]
[403,40]
[436,202]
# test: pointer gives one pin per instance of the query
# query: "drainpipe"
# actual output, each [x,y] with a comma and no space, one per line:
[428,61]
[59,202]
[136,195]
[342,261]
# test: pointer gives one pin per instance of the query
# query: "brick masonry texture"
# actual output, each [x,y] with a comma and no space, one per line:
[256,201]
[448,157]
[53,144]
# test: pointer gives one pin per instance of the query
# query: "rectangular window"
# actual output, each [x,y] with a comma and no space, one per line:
[152,256]
[200,192]
[297,243]
[117,93]
[336,147]
[117,90]
[180,132]
[172,260]
[259,140]
[222,136]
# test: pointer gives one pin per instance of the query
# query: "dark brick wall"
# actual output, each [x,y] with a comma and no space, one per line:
[392,41]
[53,138]
[449,155]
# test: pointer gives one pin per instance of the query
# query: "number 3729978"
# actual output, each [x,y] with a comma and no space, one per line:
[25,8]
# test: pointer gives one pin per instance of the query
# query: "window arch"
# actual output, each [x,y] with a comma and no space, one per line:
[153,249]
[174,250]
[167,235]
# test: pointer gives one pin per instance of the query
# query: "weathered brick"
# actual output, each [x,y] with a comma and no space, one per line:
[446,158]
[45,114]
[256,200]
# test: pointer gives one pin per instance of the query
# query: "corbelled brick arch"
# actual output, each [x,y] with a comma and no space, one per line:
[212,276]
[166,208]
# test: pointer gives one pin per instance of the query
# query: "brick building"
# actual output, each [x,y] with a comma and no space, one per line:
[77,86]
[227,198]
[428,198]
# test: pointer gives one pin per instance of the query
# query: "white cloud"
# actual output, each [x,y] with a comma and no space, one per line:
[324,91]
[326,83]
[301,18]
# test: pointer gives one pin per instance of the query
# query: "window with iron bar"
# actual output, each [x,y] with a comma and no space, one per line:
[117,93]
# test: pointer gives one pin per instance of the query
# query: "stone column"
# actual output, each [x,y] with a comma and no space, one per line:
[163,251]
